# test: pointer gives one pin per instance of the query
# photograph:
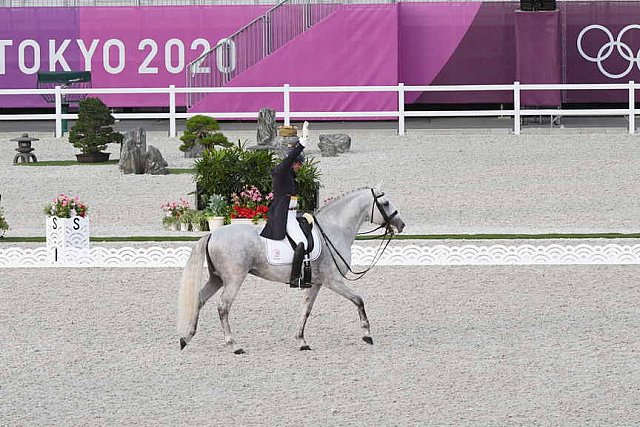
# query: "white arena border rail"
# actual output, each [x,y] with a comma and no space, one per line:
[399,255]
[516,88]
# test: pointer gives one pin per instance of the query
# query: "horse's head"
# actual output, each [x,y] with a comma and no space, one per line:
[384,212]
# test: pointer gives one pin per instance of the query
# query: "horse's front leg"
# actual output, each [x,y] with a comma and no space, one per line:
[342,289]
[309,299]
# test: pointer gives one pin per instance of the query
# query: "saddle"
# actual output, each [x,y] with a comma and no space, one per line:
[280,252]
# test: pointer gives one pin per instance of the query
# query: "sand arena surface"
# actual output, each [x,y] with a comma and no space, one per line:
[453,346]
[460,183]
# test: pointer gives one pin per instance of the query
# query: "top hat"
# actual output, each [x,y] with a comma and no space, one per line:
[288,130]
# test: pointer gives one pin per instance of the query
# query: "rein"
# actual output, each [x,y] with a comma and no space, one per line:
[379,252]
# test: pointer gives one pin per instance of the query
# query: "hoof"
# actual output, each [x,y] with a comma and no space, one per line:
[368,340]
[305,348]
[183,343]
[238,351]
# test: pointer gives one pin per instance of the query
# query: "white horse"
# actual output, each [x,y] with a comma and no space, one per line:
[234,251]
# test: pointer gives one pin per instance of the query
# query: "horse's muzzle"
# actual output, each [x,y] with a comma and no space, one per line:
[397,226]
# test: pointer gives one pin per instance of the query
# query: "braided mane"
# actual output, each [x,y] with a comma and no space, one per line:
[332,200]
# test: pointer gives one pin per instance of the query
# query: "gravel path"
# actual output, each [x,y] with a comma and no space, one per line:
[479,346]
[462,183]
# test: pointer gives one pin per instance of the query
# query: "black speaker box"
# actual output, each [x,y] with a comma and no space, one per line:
[537,5]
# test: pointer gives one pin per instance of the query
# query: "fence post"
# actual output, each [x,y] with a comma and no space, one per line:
[516,108]
[58,99]
[287,105]
[632,107]
[401,109]
[172,111]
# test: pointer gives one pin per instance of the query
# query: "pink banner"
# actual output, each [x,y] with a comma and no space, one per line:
[357,46]
[121,46]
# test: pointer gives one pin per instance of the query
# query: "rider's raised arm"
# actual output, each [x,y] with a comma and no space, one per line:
[286,163]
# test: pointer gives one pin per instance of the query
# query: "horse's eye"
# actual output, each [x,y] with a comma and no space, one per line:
[385,203]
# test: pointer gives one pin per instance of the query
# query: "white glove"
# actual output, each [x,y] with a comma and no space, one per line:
[305,134]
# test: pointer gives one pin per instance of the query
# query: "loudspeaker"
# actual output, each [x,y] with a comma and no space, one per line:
[536,5]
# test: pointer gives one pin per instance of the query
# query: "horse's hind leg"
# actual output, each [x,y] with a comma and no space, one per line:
[309,299]
[208,290]
[342,289]
[229,293]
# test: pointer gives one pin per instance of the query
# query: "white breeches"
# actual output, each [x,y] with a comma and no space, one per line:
[293,228]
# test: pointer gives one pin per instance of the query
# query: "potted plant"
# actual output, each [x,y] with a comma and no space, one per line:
[201,134]
[4,225]
[186,219]
[250,206]
[217,211]
[172,213]
[198,221]
[170,223]
[92,131]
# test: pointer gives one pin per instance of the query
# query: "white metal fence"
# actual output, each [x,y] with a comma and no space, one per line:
[289,110]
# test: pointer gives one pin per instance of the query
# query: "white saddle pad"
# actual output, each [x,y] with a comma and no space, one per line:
[280,252]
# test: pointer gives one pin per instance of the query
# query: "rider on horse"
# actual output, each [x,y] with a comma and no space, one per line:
[282,216]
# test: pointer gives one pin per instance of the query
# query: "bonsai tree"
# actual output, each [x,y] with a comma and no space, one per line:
[92,132]
[202,130]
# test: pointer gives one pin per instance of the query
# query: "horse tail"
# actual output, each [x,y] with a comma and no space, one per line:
[189,298]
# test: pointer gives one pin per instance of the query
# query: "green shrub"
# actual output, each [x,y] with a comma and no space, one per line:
[308,178]
[202,130]
[92,131]
[230,170]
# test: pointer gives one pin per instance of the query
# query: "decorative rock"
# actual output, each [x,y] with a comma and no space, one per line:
[328,149]
[341,141]
[133,152]
[136,158]
[267,129]
[155,164]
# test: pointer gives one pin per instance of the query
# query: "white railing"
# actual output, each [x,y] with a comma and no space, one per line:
[287,114]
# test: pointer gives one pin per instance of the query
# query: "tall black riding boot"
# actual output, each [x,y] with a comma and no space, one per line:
[296,266]
[306,274]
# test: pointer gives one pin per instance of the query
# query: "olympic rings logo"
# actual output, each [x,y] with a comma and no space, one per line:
[607,49]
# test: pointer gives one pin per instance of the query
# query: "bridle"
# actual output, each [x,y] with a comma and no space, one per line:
[383,239]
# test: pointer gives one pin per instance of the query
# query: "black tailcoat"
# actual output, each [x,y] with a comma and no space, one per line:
[284,186]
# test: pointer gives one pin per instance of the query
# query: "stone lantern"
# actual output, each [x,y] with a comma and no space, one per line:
[24,149]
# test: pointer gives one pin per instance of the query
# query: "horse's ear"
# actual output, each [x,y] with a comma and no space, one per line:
[378,187]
